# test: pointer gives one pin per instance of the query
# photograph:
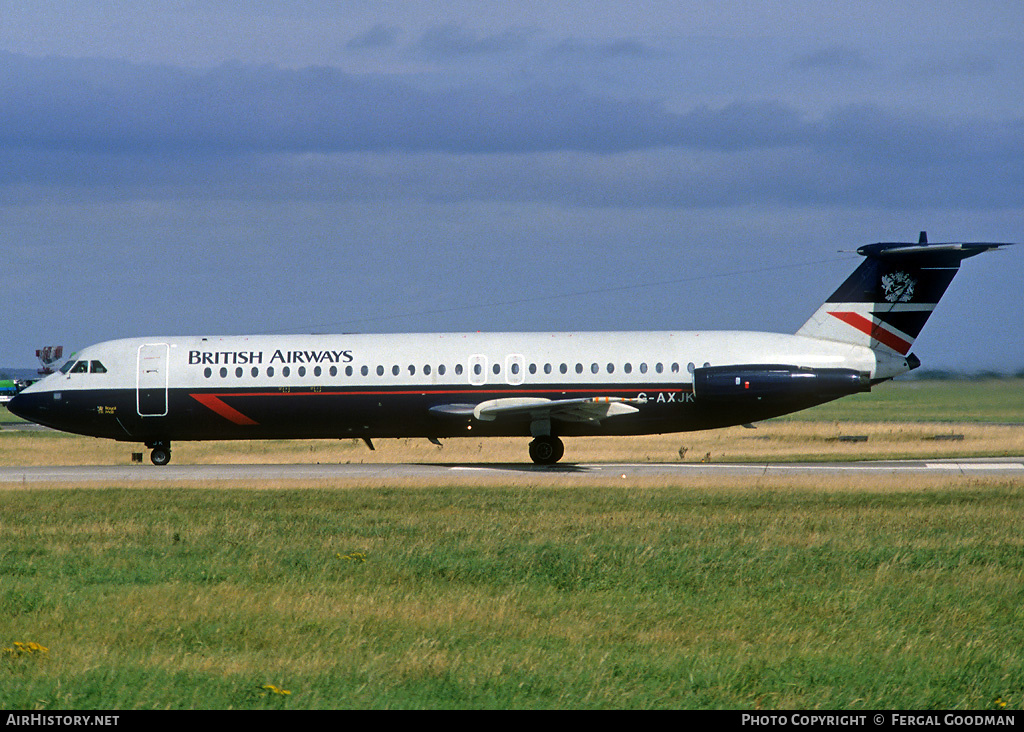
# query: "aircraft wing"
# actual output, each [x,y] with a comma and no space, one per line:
[588,409]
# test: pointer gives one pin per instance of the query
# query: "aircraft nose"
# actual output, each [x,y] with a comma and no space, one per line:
[14,406]
[25,406]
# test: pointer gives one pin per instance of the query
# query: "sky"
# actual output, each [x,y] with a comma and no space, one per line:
[172,168]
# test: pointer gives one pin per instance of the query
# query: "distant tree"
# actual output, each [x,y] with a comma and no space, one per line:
[935,375]
[989,374]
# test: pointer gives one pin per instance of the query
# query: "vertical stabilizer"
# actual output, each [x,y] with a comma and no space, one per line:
[885,303]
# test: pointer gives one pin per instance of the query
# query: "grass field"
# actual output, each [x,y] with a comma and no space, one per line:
[983,400]
[743,594]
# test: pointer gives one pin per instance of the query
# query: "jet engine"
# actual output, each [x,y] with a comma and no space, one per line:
[771,382]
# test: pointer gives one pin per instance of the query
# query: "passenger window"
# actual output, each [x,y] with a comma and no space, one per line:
[440,370]
[96,367]
[628,368]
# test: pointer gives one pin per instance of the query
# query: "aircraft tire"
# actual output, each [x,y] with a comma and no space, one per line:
[546,450]
[160,456]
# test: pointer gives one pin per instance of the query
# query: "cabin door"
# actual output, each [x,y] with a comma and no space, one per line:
[152,380]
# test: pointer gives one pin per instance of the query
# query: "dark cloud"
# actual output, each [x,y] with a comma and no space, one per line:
[118,107]
[452,40]
[601,51]
[102,125]
[834,57]
[962,65]
[379,36]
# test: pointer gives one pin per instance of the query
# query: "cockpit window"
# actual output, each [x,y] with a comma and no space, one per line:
[67,366]
[82,367]
[95,367]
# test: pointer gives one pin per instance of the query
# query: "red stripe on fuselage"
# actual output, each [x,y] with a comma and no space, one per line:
[874,330]
[213,401]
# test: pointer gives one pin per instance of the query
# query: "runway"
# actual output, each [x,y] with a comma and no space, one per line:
[490,473]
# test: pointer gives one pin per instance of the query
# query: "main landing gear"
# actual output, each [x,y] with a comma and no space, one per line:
[161,454]
[546,450]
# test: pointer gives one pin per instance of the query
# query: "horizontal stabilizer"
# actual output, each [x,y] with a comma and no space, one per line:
[955,252]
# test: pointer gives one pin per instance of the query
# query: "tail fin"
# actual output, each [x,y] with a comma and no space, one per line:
[884,304]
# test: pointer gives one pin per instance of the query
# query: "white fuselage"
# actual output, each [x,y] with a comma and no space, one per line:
[468,360]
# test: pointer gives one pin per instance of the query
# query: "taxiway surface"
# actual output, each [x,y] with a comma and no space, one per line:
[492,472]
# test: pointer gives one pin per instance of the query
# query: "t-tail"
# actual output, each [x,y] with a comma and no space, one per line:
[885,303]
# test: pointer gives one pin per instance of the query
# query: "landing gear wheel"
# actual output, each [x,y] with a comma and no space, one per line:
[160,456]
[546,450]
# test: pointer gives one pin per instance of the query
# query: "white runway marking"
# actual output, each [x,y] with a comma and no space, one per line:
[975,466]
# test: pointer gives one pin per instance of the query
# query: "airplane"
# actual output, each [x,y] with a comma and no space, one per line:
[545,386]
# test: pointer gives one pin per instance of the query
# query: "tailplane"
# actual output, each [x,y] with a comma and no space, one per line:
[885,303]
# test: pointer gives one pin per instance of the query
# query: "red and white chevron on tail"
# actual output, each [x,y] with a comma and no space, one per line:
[885,303]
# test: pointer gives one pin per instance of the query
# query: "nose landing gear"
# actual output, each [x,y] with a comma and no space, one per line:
[161,454]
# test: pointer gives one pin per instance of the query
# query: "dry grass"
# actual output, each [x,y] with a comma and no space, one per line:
[770,442]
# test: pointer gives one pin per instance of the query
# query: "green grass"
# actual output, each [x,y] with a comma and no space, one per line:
[8,418]
[740,594]
[991,400]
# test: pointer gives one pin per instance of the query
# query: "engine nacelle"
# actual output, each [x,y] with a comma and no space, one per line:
[768,382]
